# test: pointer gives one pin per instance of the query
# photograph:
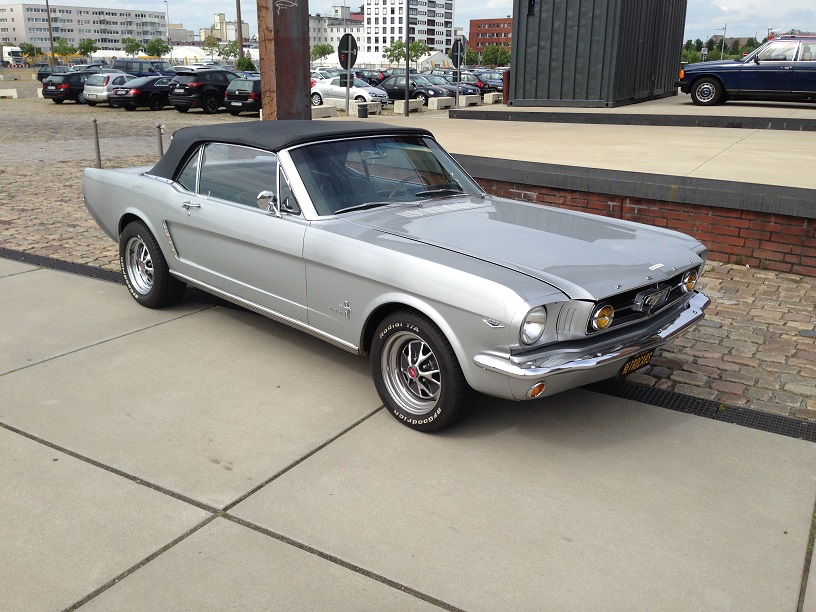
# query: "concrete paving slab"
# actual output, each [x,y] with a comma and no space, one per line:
[209,405]
[224,566]
[688,151]
[9,268]
[71,312]
[576,500]
[69,527]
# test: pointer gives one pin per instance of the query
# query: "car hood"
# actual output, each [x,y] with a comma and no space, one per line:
[585,256]
[713,65]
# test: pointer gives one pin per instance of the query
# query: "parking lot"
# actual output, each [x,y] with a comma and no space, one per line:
[203,457]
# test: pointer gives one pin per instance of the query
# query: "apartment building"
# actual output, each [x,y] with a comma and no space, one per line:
[497,31]
[430,20]
[106,26]
[329,29]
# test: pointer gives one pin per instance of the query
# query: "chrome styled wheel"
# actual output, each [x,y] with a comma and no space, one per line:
[417,374]
[706,92]
[138,265]
[411,373]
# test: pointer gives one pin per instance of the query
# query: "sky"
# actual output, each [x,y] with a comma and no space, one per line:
[704,18]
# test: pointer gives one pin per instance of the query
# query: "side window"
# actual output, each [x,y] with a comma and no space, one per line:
[808,53]
[187,178]
[237,173]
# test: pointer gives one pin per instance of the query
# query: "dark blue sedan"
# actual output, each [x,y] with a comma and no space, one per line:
[781,69]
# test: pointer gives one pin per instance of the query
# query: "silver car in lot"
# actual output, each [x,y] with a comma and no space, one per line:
[360,91]
[372,238]
[98,87]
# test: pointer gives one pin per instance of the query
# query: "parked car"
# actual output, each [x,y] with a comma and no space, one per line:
[151,92]
[203,88]
[494,78]
[401,70]
[243,95]
[46,71]
[145,68]
[373,238]
[98,87]
[374,76]
[781,69]
[360,91]
[475,81]
[450,86]
[86,67]
[419,88]
[66,86]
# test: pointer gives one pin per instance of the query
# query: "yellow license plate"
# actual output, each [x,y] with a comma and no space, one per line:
[637,362]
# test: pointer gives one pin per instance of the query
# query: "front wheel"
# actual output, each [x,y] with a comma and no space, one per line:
[130,107]
[90,103]
[707,92]
[210,105]
[317,99]
[145,269]
[422,97]
[182,109]
[417,374]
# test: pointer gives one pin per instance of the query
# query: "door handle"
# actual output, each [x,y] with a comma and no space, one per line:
[787,67]
[188,205]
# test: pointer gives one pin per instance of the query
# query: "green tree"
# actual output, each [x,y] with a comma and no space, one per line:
[690,57]
[698,45]
[28,49]
[157,48]
[395,52]
[471,57]
[321,50]
[689,45]
[229,51]
[504,56]
[131,46]
[735,47]
[63,49]
[417,49]
[211,46]
[490,55]
[245,63]
[87,46]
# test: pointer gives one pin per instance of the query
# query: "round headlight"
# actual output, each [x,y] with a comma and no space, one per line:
[689,281]
[602,317]
[533,325]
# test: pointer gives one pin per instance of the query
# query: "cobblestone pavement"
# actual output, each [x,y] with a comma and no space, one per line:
[756,347]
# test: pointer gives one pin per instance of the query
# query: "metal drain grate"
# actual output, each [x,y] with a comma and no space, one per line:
[755,419]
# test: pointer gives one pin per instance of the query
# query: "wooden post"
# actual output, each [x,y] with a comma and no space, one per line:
[283,40]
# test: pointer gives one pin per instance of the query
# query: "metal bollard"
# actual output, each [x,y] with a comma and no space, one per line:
[159,129]
[96,144]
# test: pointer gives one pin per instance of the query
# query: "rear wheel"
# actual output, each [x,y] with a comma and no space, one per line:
[58,101]
[707,92]
[146,273]
[90,103]
[417,374]
[317,99]
[234,113]
[81,98]
[155,103]
[130,107]
[210,105]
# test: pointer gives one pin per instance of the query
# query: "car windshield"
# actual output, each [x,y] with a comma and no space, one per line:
[436,80]
[140,82]
[363,172]
[96,79]
[422,81]
[240,85]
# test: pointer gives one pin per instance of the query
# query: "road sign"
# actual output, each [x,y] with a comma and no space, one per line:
[704,51]
[457,53]
[347,51]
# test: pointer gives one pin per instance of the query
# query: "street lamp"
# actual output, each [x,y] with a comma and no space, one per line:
[722,50]
[167,20]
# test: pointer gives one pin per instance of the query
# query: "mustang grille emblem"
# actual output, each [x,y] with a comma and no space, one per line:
[650,299]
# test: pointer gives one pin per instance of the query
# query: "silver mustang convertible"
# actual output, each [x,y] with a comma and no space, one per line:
[372,238]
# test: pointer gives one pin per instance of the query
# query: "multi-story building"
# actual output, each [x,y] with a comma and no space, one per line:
[485,32]
[28,22]
[179,34]
[329,29]
[430,21]
[223,30]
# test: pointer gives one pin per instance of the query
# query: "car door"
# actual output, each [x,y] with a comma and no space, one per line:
[804,71]
[228,242]
[771,70]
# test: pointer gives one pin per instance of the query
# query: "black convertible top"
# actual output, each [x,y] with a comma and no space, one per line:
[268,135]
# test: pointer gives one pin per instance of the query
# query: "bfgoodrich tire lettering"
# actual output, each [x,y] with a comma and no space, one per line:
[145,270]
[416,373]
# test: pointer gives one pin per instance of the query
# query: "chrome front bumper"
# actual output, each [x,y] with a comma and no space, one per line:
[604,361]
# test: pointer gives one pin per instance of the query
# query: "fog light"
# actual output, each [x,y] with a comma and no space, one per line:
[602,317]
[689,281]
[537,390]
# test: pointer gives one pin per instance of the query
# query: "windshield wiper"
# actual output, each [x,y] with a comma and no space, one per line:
[446,191]
[361,207]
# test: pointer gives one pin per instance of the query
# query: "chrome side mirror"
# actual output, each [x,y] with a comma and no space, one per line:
[267,201]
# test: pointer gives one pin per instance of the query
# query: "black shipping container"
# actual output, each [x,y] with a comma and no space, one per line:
[595,53]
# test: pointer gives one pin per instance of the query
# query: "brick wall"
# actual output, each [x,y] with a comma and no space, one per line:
[761,240]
